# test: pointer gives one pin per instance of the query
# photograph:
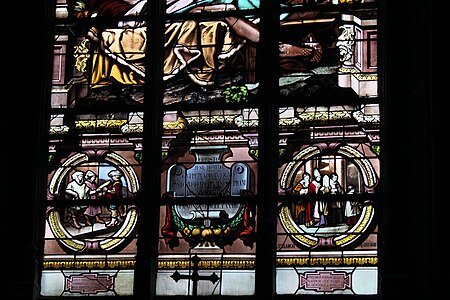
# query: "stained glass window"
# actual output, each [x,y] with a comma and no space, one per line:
[225,148]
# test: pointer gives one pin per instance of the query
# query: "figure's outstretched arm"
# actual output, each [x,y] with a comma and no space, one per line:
[243,28]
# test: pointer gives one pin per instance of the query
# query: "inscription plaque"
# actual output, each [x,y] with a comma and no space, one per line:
[209,225]
[325,281]
[208,177]
[89,283]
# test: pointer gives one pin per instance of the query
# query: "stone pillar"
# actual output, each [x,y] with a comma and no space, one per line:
[358,49]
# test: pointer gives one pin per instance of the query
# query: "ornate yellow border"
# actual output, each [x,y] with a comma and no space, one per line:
[129,224]
[367,214]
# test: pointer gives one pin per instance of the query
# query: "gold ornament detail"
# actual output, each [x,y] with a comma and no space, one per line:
[81,55]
